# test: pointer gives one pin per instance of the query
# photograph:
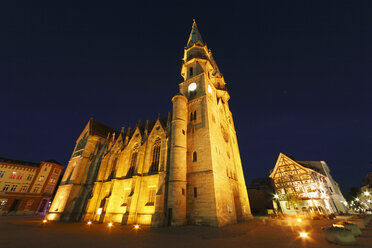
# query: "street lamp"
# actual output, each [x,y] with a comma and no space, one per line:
[366,193]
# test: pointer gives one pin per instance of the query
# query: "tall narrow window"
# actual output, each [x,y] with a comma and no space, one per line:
[113,169]
[195,115]
[191,71]
[191,116]
[155,156]
[133,162]
[195,192]
[194,157]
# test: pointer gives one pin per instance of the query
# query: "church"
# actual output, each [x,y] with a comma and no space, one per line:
[178,170]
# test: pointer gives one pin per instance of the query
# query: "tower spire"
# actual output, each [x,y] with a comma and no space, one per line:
[195,36]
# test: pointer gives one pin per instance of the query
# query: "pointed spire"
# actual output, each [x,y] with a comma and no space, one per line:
[146,128]
[195,37]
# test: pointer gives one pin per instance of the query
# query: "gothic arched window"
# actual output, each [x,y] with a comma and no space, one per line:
[155,156]
[113,169]
[133,162]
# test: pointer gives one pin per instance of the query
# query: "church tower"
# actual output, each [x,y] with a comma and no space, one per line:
[204,148]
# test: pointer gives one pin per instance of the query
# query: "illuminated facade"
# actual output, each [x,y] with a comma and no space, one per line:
[306,186]
[183,169]
[26,187]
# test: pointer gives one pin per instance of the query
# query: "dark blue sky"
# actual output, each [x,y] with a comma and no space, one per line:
[299,75]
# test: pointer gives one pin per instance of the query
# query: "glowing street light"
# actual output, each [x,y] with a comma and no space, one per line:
[110,224]
[89,223]
[366,193]
[136,226]
[45,221]
[299,220]
[276,196]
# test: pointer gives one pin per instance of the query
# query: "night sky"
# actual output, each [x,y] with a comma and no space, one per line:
[299,75]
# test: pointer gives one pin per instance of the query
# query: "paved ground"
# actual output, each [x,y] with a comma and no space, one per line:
[30,232]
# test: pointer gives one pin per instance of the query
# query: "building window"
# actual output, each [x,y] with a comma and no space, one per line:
[53,179]
[41,178]
[56,171]
[2,173]
[183,191]
[151,199]
[48,189]
[113,169]
[29,177]
[36,190]
[29,204]
[24,188]
[193,116]
[14,187]
[191,71]
[229,208]
[13,175]
[194,157]
[20,175]
[6,187]
[195,192]
[133,162]
[155,156]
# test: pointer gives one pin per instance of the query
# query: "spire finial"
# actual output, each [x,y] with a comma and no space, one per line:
[194,23]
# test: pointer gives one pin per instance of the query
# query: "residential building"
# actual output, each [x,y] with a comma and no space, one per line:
[26,188]
[306,187]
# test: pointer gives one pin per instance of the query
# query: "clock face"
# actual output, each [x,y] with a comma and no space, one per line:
[192,87]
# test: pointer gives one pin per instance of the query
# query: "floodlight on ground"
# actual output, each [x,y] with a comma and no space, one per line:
[304,235]
[299,220]
[89,223]
[136,226]
[110,224]
[45,221]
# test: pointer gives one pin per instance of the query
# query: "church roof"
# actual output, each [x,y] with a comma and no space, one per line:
[195,37]
[99,129]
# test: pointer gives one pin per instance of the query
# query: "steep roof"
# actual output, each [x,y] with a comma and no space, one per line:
[195,37]
[19,162]
[99,129]
[314,165]
[53,161]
